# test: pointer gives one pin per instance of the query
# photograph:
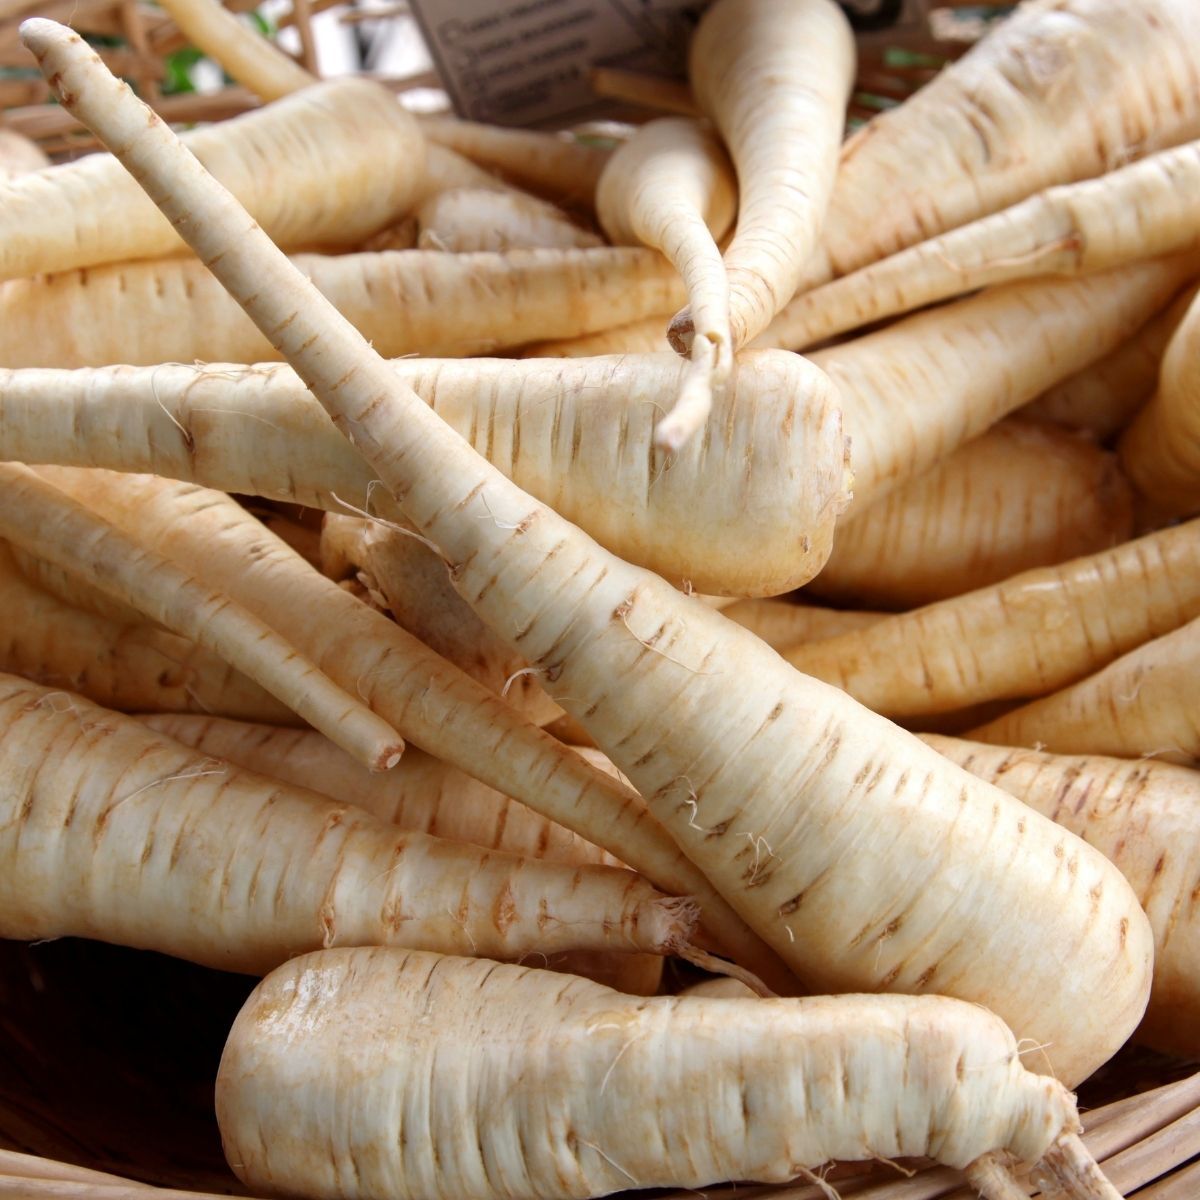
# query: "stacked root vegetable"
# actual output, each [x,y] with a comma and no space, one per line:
[460,761]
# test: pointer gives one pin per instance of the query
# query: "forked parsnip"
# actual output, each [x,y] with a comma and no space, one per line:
[110,830]
[404,302]
[787,794]
[421,793]
[774,76]
[379,1072]
[748,509]
[1023,495]
[1145,817]
[671,186]
[1160,451]
[561,168]
[346,160]
[44,520]
[465,220]
[1102,398]
[245,57]
[1145,704]
[412,582]
[135,668]
[19,155]
[417,692]
[1066,90]
[915,392]
[1140,211]
[1029,635]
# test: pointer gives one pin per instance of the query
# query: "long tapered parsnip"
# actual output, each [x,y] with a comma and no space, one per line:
[1144,704]
[562,168]
[1026,636]
[787,794]
[1141,211]
[113,831]
[421,793]
[914,392]
[346,160]
[411,579]
[247,58]
[774,76]
[1066,90]
[672,187]
[1023,495]
[72,588]
[416,691]
[782,624]
[404,302]
[136,668]
[466,220]
[748,509]
[1102,398]
[379,1072]
[42,519]
[1160,451]
[1145,817]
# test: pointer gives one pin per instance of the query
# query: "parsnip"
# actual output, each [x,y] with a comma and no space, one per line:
[19,155]
[346,160]
[1145,817]
[1026,636]
[137,668]
[787,794]
[1021,496]
[781,624]
[647,336]
[410,301]
[112,831]
[748,509]
[466,220]
[372,1072]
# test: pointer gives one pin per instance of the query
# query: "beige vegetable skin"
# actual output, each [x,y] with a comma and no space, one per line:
[110,830]
[787,795]
[1145,817]
[368,1073]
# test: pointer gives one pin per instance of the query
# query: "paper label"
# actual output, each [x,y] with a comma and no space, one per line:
[526,62]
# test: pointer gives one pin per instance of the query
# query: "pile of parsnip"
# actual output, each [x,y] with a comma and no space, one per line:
[452,692]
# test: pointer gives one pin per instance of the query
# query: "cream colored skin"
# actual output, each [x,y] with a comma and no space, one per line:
[137,668]
[914,392]
[166,311]
[1143,704]
[346,161]
[781,623]
[1145,817]
[1021,496]
[19,155]
[47,520]
[672,187]
[112,831]
[421,793]
[1139,212]
[774,76]
[1160,450]
[416,691]
[251,60]
[789,796]
[413,583]
[1027,636]
[370,1073]
[1102,398]
[1068,90]
[465,220]
[647,336]
[747,510]
[560,168]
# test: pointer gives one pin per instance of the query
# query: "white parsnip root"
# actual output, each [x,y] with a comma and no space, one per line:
[768,788]
[333,1084]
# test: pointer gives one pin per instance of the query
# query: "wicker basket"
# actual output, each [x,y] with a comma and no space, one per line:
[108,1055]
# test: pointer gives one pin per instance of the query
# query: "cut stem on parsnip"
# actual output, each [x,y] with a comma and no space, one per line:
[767,788]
